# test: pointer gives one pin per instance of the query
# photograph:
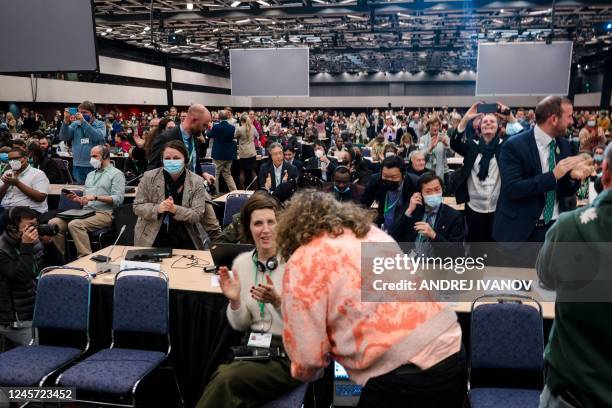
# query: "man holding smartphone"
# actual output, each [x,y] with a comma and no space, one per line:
[85,132]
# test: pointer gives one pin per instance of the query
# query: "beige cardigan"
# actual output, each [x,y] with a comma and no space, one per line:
[197,215]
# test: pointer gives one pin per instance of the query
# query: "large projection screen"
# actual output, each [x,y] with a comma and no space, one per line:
[270,72]
[47,36]
[532,68]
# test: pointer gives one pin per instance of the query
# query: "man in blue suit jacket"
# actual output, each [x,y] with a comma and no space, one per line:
[534,185]
[224,150]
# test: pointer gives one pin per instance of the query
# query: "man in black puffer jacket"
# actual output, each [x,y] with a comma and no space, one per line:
[23,254]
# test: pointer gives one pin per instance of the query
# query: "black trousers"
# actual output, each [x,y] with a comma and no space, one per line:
[480,225]
[443,385]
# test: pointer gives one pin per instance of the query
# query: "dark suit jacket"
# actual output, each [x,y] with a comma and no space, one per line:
[469,150]
[355,195]
[268,169]
[523,187]
[374,192]
[375,126]
[298,165]
[400,133]
[155,160]
[313,163]
[449,225]
[224,144]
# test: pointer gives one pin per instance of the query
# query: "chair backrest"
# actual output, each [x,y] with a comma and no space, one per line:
[65,168]
[62,301]
[233,205]
[66,204]
[209,168]
[140,301]
[124,215]
[507,336]
[291,399]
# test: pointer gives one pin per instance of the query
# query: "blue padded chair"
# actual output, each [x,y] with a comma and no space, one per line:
[62,303]
[506,336]
[291,399]
[367,152]
[233,205]
[209,168]
[140,305]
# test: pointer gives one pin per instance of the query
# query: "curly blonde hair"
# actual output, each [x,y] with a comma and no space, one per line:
[311,213]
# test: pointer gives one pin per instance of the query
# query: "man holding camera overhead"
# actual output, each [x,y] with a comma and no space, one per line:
[26,248]
[84,131]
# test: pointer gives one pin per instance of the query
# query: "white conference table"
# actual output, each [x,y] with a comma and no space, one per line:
[194,279]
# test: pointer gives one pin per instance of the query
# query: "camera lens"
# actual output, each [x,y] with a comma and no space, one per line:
[48,230]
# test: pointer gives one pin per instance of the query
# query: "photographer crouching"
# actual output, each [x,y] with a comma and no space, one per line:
[26,249]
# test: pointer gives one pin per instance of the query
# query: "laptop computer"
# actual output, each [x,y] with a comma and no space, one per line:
[148,255]
[346,392]
[76,214]
[224,254]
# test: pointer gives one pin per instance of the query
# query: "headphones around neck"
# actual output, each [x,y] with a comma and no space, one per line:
[270,265]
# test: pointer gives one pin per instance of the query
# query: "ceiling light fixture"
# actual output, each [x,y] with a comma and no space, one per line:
[235,4]
[215,30]
[243,21]
[263,3]
[147,28]
[180,30]
[189,6]
[320,1]
[108,30]
[347,1]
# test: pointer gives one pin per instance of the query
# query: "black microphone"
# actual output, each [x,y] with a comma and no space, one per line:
[249,186]
[107,259]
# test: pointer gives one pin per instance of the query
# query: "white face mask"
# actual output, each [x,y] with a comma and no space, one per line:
[15,164]
[591,123]
[95,163]
[319,153]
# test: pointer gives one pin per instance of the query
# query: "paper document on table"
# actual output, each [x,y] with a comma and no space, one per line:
[147,266]
[214,281]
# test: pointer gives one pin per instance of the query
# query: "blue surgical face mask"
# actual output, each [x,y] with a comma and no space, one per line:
[4,157]
[598,158]
[174,166]
[433,201]
[87,118]
[346,190]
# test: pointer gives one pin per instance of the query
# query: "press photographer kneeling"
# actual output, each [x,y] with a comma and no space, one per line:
[260,371]
[26,249]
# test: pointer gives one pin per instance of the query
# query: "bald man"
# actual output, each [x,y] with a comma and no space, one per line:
[188,131]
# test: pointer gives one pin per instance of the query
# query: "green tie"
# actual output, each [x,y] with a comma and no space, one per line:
[550,195]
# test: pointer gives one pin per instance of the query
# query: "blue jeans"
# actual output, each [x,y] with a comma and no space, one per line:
[80,173]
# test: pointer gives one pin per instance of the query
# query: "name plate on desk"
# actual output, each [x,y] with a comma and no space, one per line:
[147,266]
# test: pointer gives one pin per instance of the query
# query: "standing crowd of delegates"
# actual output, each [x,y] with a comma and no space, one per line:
[521,171]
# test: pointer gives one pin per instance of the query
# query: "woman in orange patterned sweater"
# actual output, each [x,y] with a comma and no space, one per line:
[405,353]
